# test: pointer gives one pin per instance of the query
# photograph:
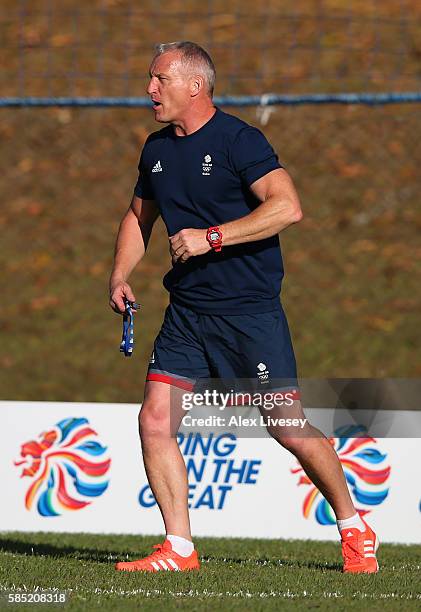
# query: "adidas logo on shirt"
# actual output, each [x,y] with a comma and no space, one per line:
[157,167]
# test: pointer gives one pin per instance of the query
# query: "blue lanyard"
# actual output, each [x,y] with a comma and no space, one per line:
[127,339]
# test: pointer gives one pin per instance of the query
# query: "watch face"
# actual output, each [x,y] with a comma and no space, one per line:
[214,236]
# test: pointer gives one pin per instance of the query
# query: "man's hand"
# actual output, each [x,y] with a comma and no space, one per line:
[188,243]
[118,291]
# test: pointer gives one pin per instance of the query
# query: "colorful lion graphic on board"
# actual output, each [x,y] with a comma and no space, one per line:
[366,471]
[67,465]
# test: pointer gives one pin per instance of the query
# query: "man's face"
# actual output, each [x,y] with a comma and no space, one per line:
[169,87]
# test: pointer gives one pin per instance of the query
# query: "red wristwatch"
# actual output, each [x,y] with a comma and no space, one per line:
[214,237]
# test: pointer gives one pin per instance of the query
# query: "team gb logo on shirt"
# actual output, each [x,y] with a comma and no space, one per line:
[207,165]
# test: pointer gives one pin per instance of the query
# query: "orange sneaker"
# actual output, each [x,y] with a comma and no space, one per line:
[359,551]
[162,559]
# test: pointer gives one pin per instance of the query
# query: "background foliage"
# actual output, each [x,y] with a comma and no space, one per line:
[352,290]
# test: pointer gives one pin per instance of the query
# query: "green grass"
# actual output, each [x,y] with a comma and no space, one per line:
[236,574]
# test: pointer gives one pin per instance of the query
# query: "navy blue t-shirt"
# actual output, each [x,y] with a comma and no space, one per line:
[202,180]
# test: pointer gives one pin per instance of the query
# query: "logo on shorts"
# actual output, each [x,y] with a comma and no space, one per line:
[207,165]
[152,359]
[262,373]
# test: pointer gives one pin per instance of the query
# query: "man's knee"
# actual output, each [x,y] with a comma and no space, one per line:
[154,420]
[294,444]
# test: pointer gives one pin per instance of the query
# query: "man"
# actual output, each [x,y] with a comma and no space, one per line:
[224,198]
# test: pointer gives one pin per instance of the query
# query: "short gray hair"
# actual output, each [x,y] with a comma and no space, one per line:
[192,56]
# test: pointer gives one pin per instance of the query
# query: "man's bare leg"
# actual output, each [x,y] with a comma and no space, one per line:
[164,464]
[317,457]
[166,470]
[321,464]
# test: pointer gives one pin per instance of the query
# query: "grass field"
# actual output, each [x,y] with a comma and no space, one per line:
[236,574]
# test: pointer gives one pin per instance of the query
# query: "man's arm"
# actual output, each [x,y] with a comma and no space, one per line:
[279,208]
[132,241]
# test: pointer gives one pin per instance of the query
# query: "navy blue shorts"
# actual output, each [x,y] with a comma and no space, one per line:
[193,346]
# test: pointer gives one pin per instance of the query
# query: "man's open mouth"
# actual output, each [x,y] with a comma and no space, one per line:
[156,104]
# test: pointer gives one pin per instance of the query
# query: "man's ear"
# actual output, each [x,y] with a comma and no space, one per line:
[196,85]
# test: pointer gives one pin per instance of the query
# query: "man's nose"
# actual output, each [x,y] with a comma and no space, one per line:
[151,87]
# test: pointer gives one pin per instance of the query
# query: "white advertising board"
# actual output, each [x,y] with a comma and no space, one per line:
[77,467]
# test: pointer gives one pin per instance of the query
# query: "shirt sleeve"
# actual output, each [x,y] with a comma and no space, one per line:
[143,188]
[253,156]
